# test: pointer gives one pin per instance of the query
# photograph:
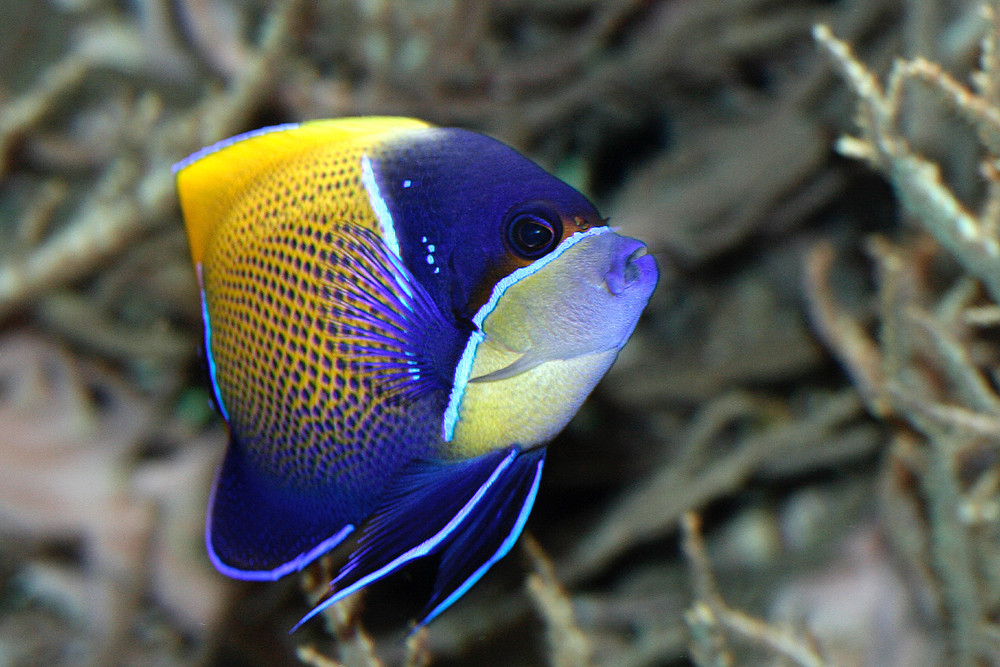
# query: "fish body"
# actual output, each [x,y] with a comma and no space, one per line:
[398,318]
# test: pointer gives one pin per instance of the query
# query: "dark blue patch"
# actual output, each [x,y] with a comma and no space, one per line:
[488,534]
[260,530]
[451,189]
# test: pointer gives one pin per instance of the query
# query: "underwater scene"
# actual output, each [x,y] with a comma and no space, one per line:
[569,333]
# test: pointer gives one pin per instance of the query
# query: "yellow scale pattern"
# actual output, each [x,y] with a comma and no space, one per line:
[275,244]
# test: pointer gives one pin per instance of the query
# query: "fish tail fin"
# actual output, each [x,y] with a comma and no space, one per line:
[470,514]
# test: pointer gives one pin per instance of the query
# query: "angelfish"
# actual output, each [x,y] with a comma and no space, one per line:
[397,318]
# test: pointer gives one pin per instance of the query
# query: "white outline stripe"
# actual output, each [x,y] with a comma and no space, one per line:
[385,222]
[208,345]
[382,213]
[505,547]
[294,565]
[464,367]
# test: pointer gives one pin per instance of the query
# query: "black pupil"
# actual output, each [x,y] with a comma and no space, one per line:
[533,233]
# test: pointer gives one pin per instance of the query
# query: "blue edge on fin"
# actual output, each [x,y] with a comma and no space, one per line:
[257,534]
[468,512]
[225,143]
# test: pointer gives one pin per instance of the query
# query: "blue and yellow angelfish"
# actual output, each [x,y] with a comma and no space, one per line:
[398,318]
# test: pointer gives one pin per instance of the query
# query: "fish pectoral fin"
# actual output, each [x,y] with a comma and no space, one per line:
[512,360]
[259,531]
[469,512]
[537,351]
[383,317]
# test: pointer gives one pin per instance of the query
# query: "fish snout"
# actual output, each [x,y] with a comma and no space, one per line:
[631,266]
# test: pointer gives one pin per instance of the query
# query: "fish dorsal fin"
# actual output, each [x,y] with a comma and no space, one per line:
[209,180]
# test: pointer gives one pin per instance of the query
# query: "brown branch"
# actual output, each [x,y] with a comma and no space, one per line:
[711,620]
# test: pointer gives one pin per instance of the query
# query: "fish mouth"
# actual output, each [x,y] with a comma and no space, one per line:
[631,265]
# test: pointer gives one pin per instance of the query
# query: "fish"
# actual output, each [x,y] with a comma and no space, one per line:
[398,319]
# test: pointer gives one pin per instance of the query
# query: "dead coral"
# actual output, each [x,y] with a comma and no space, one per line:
[919,370]
[702,470]
[568,645]
[354,644]
[917,180]
[69,437]
[712,622]
[927,367]
[136,193]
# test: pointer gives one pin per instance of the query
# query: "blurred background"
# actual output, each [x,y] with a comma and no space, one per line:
[816,376]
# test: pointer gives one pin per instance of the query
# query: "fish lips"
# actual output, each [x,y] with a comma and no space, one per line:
[615,278]
[632,268]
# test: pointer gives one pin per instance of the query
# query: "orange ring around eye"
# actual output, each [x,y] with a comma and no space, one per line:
[533,230]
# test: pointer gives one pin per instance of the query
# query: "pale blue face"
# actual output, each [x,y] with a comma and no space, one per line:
[547,335]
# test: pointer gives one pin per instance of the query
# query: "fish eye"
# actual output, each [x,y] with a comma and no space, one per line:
[533,231]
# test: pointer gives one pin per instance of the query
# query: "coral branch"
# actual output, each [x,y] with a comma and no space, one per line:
[917,181]
[136,195]
[710,619]
[18,116]
[568,645]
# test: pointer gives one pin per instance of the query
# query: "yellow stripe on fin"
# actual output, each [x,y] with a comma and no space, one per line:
[210,180]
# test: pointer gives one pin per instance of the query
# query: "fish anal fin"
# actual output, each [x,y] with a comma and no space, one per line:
[433,507]
[487,535]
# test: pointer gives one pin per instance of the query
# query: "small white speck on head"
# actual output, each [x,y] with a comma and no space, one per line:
[430,251]
[407,183]
[437,269]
